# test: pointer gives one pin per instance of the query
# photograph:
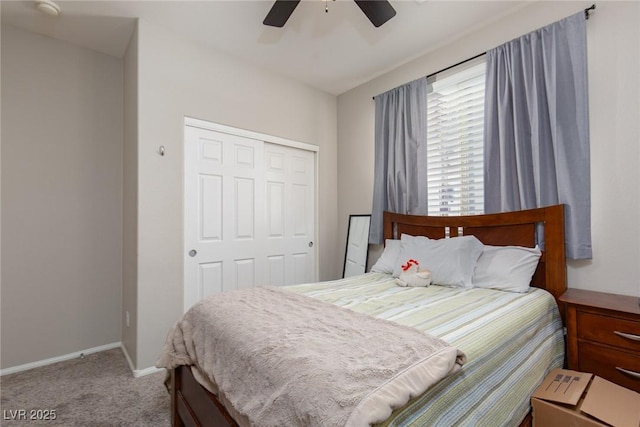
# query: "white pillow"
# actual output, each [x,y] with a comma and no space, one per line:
[507,268]
[451,261]
[387,260]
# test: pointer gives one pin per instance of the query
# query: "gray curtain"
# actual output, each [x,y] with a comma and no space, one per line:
[537,127]
[400,180]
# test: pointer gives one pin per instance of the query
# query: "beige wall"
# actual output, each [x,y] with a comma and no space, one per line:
[61,198]
[178,79]
[130,200]
[614,86]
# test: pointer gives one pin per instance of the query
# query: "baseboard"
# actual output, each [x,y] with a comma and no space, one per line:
[137,373]
[147,371]
[129,361]
[57,359]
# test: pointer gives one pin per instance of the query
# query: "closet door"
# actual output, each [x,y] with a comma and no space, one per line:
[290,222]
[249,214]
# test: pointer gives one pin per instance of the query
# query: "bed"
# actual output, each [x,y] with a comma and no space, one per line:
[494,386]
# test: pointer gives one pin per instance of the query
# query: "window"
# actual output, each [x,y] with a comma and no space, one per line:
[455,124]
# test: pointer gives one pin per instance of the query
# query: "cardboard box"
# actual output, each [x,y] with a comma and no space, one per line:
[577,399]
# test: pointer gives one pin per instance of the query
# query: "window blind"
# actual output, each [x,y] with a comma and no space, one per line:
[455,121]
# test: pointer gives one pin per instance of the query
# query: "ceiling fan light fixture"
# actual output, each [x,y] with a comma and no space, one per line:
[48,7]
[377,11]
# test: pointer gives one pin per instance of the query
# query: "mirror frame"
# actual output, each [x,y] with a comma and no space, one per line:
[352,217]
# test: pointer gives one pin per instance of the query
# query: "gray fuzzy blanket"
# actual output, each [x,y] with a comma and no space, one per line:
[280,358]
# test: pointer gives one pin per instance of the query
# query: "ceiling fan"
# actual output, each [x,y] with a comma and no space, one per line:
[378,11]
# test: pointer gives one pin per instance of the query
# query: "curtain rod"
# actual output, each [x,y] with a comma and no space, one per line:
[586,16]
[455,65]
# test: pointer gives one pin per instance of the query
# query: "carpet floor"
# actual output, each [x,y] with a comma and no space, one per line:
[97,390]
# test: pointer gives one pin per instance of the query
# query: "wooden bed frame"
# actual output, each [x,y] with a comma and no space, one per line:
[193,405]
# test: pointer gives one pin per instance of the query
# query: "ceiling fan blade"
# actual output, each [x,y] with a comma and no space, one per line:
[378,11]
[280,12]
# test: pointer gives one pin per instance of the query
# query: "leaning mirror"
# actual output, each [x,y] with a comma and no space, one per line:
[357,251]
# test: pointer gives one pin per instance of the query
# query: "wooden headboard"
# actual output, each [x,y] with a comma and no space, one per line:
[502,229]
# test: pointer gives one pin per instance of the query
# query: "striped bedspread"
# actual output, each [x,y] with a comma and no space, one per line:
[511,341]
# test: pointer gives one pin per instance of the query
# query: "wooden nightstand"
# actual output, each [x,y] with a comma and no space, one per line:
[603,335]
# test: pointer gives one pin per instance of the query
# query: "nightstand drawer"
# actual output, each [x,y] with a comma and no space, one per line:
[603,361]
[614,331]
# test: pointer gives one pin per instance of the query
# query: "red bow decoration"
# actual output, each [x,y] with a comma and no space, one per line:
[409,263]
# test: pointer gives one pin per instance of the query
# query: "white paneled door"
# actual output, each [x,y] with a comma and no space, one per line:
[249,213]
[290,215]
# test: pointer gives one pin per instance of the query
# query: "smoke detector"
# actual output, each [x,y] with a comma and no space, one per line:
[48,7]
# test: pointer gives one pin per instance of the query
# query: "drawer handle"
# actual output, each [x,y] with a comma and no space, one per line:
[628,336]
[628,372]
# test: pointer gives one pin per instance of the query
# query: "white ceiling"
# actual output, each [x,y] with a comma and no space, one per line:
[332,51]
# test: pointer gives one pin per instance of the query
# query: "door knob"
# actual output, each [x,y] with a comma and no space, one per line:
[310,244]
[193,253]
